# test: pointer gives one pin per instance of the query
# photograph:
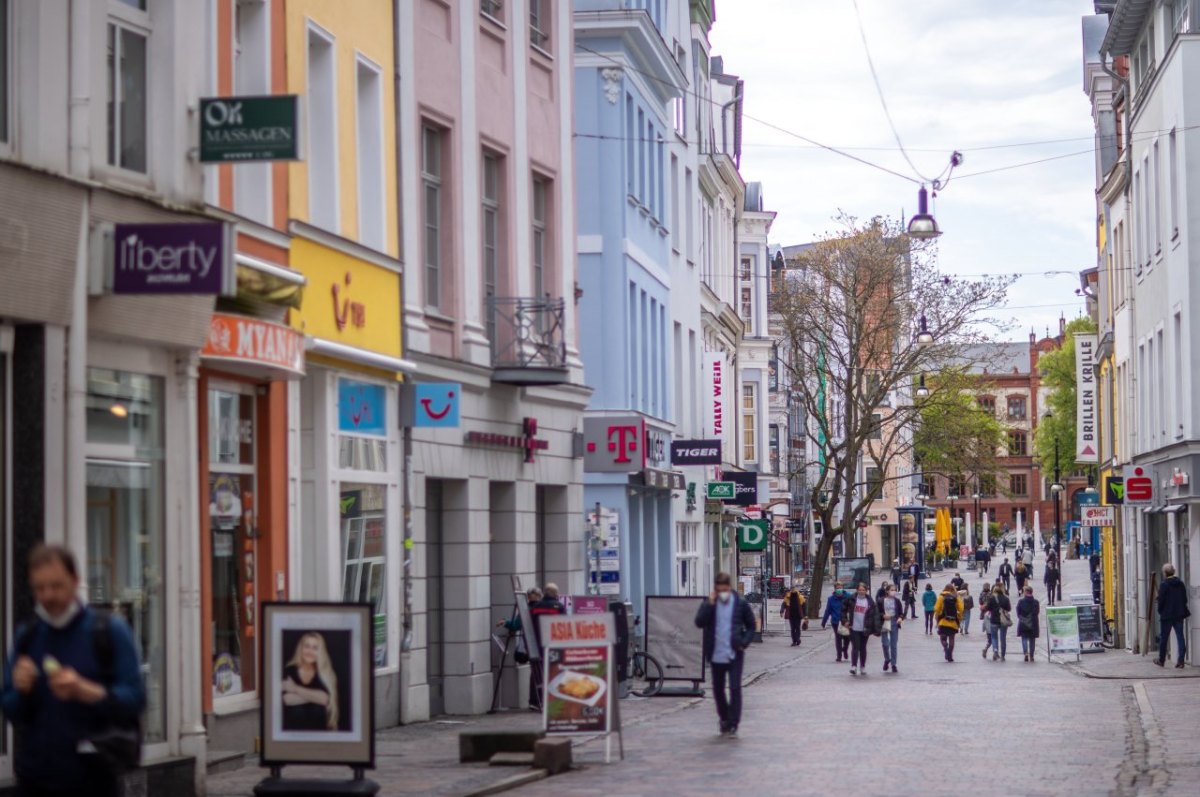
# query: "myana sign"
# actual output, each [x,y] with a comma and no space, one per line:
[249,128]
[179,258]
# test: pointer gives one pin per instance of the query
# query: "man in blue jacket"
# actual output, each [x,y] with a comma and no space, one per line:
[833,615]
[728,623]
[1172,611]
[64,687]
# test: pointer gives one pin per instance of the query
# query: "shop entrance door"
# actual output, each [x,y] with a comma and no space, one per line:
[435,625]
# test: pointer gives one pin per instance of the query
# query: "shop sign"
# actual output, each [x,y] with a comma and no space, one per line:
[249,128]
[662,479]
[721,491]
[714,393]
[1139,487]
[752,535]
[349,301]
[1114,490]
[1098,516]
[567,630]
[614,444]
[658,446]
[745,487]
[362,408]
[1085,392]
[696,452]
[250,341]
[527,441]
[437,405]
[173,258]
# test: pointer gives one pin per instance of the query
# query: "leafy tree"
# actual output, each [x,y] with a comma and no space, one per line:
[956,437]
[1057,369]
[848,309]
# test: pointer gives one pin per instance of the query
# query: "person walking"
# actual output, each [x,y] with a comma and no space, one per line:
[985,619]
[957,581]
[793,610]
[929,603]
[1050,579]
[1028,623]
[891,615]
[833,617]
[949,612]
[910,601]
[1006,573]
[73,675]
[1021,575]
[895,571]
[964,595]
[862,616]
[728,624]
[1000,609]
[1172,611]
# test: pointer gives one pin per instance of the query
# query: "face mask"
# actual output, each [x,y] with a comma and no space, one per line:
[724,597]
[61,621]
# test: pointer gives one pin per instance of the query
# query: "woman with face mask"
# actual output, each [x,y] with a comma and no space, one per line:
[891,614]
[862,616]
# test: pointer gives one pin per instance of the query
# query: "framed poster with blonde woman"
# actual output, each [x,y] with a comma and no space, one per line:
[317,684]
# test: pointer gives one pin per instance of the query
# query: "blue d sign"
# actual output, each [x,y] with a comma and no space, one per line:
[437,405]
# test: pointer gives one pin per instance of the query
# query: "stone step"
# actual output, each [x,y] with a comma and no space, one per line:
[478,746]
[511,760]
[218,761]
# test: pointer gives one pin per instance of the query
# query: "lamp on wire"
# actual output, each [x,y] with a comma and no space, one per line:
[923,226]
[922,391]
[924,336]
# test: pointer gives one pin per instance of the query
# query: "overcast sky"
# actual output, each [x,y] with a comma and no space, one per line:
[957,74]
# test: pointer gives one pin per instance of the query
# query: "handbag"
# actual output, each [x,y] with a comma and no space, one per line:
[804,625]
[1006,618]
[843,629]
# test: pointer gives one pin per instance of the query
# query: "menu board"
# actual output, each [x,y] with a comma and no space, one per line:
[1091,624]
[578,689]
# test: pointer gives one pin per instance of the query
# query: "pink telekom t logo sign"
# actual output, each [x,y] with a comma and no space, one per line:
[625,442]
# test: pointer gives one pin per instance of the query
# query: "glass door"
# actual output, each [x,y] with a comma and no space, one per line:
[233,553]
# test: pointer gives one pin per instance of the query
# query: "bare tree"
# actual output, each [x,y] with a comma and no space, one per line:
[850,309]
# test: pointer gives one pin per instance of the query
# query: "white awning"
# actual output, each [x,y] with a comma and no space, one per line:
[359,356]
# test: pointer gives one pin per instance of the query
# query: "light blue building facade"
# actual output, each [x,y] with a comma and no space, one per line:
[627,82]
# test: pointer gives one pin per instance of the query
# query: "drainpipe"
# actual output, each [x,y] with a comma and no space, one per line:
[737,97]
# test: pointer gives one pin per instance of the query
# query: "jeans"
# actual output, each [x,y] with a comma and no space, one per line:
[910,605]
[1164,637]
[966,622]
[795,624]
[858,648]
[1028,645]
[999,638]
[929,629]
[729,708]
[889,641]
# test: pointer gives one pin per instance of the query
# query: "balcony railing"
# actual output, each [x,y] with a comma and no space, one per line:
[528,340]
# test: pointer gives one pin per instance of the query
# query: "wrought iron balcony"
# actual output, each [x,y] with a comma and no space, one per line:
[528,340]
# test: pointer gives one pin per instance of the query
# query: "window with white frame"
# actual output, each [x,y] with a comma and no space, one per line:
[1156,219]
[5,72]
[372,231]
[492,8]
[322,130]
[750,422]
[251,76]
[432,140]
[1173,166]
[127,40]
[491,232]
[687,558]
[541,234]
[1180,15]
[747,304]
[539,23]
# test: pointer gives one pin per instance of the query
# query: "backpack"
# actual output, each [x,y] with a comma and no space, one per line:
[950,607]
[120,743]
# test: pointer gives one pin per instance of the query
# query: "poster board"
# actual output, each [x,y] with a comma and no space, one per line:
[527,625]
[852,571]
[587,604]
[1091,624]
[336,641]
[578,678]
[673,638]
[1062,629]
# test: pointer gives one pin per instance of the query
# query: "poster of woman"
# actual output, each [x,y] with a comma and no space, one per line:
[318,684]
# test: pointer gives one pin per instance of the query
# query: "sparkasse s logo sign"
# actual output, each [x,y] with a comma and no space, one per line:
[696,452]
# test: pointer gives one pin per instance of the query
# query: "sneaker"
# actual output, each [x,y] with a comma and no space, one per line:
[1001,658]
[1158,663]
[1179,665]
[886,666]
[995,657]
[984,652]
[732,733]
[854,671]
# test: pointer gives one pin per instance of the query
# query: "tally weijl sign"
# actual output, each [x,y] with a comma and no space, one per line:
[714,394]
[173,258]
[1086,444]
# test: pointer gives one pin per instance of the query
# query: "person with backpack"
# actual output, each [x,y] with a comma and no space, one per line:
[1000,610]
[928,603]
[861,615]
[949,611]
[833,617]
[1028,618]
[1021,575]
[793,610]
[72,688]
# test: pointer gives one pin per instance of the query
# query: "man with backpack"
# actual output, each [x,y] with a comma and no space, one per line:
[72,689]
[949,612]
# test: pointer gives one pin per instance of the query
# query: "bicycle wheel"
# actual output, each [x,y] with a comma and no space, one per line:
[646,675]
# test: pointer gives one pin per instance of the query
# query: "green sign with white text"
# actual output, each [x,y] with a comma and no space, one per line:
[752,535]
[234,129]
[720,490]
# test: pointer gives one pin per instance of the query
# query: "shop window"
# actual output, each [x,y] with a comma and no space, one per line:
[125,518]
[231,510]
[363,509]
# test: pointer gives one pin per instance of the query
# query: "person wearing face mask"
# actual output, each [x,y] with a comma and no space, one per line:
[862,616]
[833,617]
[728,624]
[891,613]
[73,677]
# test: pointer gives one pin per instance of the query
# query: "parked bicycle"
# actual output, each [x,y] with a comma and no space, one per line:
[645,671]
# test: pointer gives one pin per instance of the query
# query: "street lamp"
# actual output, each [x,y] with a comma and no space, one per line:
[924,336]
[953,496]
[922,391]
[923,226]
[1056,488]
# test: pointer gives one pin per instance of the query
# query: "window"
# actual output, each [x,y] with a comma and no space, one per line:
[539,23]
[679,108]
[747,304]
[251,76]
[874,484]
[1161,375]
[630,148]
[5,75]
[541,234]
[1016,407]
[987,403]
[363,510]
[126,95]
[492,8]
[491,236]
[773,444]
[689,213]
[1173,164]
[987,486]
[744,270]
[1156,219]
[1018,443]
[687,558]
[1180,16]
[431,180]
[1138,223]
[957,488]
[1018,484]
[1179,374]
[749,423]
[371,198]
[876,432]
[126,520]
[676,229]
[323,203]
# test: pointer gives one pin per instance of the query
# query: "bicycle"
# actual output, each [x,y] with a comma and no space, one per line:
[645,671]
